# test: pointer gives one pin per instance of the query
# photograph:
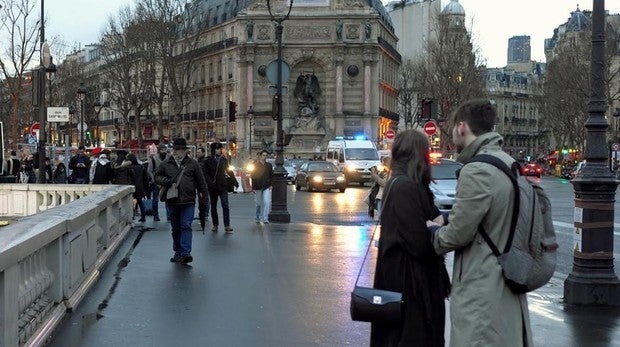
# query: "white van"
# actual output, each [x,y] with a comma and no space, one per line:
[354,157]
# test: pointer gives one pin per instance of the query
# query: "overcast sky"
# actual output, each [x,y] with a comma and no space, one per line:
[81,22]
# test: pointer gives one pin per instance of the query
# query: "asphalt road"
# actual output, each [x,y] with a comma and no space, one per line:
[283,284]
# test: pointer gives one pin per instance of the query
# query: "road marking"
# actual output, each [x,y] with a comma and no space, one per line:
[572,226]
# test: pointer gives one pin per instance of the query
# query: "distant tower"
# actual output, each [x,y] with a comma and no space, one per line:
[455,15]
[519,49]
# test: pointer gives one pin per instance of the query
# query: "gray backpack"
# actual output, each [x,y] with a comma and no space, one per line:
[529,258]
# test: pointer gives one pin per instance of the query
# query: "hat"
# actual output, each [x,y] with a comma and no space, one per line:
[95,151]
[179,143]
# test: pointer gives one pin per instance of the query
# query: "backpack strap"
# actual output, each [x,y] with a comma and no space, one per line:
[512,174]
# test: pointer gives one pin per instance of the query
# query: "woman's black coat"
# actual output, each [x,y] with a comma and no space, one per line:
[407,263]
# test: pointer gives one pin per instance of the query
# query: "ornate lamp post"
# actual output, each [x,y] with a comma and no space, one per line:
[98,106]
[278,213]
[81,94]
[251,124]
[592,280]
[40,99]
[50,71]
[71,121]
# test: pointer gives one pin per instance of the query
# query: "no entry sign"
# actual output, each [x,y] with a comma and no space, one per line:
[390,134]
[34,129]
[430,128]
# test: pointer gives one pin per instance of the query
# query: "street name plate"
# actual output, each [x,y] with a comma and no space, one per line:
[57,114]
[578,236]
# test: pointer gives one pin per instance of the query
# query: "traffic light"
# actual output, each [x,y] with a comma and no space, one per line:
[232,111]
[429,109]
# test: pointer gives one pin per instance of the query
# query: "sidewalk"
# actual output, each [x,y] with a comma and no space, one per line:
[266,285]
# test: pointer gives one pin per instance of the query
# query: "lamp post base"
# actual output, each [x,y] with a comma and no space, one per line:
[278,213]
[592,290]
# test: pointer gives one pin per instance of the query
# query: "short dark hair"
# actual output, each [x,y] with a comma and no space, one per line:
[479,114]
[13,153]
[263,151]
[81,148]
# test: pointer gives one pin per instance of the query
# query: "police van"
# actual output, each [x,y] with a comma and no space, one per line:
[354,156]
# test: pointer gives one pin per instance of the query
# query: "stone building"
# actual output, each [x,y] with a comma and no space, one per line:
[340,71]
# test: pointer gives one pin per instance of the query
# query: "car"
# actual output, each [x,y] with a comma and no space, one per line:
[577,169]
[320,174]
[443,186]
[288,166]
[531,169]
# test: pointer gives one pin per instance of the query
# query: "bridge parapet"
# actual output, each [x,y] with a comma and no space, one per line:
[50,257]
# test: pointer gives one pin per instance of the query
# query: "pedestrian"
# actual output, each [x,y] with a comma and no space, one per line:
[262,176]
[122,172]
[181,168]
[406,260]
[101,171]
[48,171]
[155,160]
[26,167]
[483,309]
[59,176]
[379,175]
[217,170]
[140,181]
[79,165]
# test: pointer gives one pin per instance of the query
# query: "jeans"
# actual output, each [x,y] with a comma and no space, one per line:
[155,197]
[181,217]
[262,199]
[140,204]
[223,195]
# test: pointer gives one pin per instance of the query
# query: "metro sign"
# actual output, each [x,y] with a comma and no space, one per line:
[430,128]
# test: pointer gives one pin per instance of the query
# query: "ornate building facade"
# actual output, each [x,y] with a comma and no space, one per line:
[339,75]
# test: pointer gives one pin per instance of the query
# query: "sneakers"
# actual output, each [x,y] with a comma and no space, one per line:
[182,259]
[265,222]
[228,229]
[214,229]
[156,219]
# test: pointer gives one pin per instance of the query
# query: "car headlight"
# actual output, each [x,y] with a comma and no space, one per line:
[340,179]
[350,168]
[249,167]
[317,179]
[230,167]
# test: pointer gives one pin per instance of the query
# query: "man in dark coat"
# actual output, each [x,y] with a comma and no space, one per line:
[179,167]
[140,181]
[101,171]
[262,176]
[80,166]
[217,171]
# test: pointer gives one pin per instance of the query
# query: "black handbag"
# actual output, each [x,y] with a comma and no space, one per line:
[371,304]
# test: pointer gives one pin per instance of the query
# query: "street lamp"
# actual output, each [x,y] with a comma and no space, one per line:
[40,87]
[81,94]
[251,124]
[50,71]
[278,213]
[592,280]
[71,121]
[98,106]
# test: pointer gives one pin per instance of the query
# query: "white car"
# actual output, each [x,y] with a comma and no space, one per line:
[444,174]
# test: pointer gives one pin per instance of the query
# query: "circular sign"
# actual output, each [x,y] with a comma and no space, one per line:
[390,134]
[430,128]
[81,126]
[272,71]
[615,146]
[45,55]
[34,129]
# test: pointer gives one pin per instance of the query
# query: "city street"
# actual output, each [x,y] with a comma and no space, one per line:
[284,284]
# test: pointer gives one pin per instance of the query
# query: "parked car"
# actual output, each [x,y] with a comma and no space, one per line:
[443,172]
[531,169]
[320,175]
[577,169]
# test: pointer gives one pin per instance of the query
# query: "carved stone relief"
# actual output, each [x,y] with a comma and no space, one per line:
[352,32]
[264,32]
[308,33]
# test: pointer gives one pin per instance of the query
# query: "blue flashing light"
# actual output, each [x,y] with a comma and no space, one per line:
[339,137]
[360,137]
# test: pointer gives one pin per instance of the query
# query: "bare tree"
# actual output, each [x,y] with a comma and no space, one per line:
[19,19]
[407,96]
[450,74]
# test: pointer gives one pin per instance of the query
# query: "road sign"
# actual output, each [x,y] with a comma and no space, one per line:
[34,129]
[615,146]
[57,114]
[81,126]
[272,71]
[390,134]
[430,128]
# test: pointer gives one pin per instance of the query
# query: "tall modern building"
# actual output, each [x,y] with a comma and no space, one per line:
[519,49]
[415,24]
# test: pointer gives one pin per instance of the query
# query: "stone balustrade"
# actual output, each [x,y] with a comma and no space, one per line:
[53,252]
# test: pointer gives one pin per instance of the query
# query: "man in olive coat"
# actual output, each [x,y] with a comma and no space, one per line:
[483,310]
[179,167]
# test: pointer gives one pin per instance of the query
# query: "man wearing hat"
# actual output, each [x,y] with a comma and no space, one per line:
[101,171]
[180,168]
[217,170]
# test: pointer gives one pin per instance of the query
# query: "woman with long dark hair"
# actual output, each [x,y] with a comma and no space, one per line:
[407,261]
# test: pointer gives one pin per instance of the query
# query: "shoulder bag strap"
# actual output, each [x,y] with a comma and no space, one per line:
[387,192]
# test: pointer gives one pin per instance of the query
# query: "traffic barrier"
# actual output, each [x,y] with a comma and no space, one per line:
[244,183]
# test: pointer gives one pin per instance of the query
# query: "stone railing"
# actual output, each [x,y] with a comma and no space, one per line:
[50,257]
